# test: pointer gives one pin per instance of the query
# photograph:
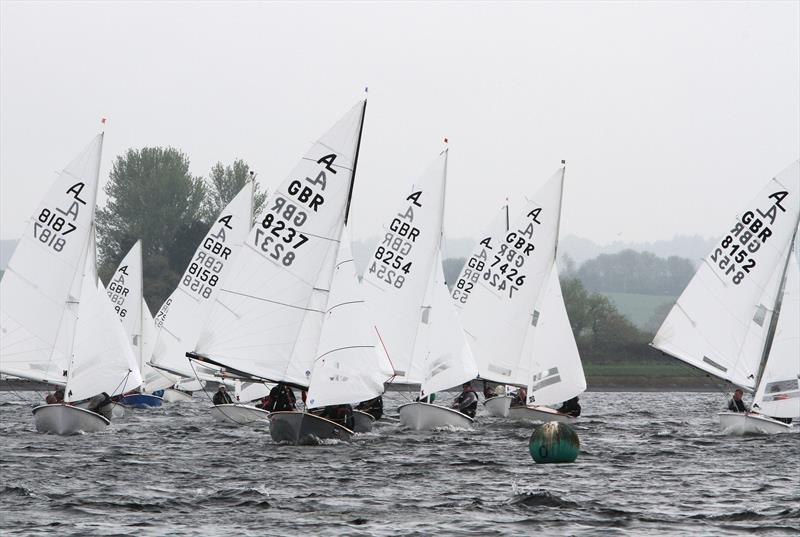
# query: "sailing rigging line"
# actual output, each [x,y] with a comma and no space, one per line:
[273,301]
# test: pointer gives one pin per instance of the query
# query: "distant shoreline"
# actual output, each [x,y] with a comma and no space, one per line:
[651,384]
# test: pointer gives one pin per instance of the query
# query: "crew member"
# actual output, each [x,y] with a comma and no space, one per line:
[467,401]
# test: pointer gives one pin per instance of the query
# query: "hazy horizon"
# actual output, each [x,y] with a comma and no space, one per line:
[671,116]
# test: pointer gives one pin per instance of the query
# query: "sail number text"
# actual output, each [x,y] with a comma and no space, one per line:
[735,255]
[52,226]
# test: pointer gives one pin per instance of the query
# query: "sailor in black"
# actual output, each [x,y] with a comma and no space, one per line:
[467,401]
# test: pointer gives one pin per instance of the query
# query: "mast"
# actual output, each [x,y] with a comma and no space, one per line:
[508,224]
[773,322]
[560,203]
[252,196]
[355,164]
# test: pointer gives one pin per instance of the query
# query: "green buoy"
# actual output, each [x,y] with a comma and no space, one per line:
[554,442]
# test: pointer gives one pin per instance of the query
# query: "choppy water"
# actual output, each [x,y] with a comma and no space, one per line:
[650,464]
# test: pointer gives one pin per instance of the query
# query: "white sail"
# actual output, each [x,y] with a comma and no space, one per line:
[720,322]
[42,285]
[399,273]
[267,317]
[351,365]
[448,359]
[481,255]
[501,308]
[154,379]
[183,314]
[778,393]
[126,294]
[556,368]
[103,358]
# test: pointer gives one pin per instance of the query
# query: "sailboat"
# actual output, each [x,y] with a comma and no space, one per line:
[56,323]
[350,365]
[738,317]
[513,312]
[180,319]
[125,290]
[266,320]
[409,299]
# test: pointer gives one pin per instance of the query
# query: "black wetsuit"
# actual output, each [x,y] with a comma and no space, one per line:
[467,402]
[373,407]
[341,414]
[571,407]
[222,398]
[281,398]
[737,406]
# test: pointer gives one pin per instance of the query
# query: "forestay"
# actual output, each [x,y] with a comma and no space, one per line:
[351,365]
[778,393]
[266,319]
[720,322]
[501,307]
[555,364]
[400,271]
[41,288]
[183,314]
[103,357]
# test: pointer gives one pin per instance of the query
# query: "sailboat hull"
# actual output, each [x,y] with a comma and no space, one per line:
[176,396]
[297,427]
[740,423]
[65,420]
[363,421]
[238,414]
[141,400]
[425,416]
[498,406]
[538,413]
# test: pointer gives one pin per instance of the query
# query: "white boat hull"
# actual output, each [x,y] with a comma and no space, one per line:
[238,414]
[67,420]
[298,427]
[498,406]
[538,413]
[363,421]
[739,423]
[426,416]
[176,396]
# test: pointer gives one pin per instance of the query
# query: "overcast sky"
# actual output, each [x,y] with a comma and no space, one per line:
[670,115]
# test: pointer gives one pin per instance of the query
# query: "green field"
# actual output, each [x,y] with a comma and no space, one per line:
[640,369]
[637,307]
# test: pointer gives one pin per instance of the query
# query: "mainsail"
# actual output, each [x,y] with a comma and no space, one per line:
[399,274]
[182,316]
[266,319]
[481,255]
[42,286]
[721,321]
[500,316]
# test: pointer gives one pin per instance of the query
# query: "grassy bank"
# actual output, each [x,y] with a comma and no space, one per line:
[646,376]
